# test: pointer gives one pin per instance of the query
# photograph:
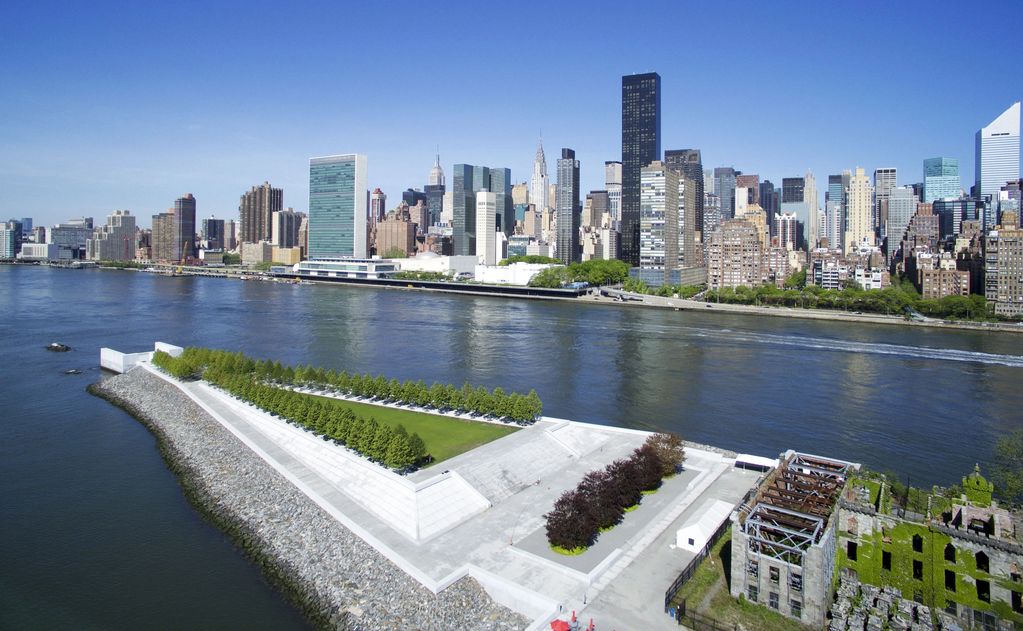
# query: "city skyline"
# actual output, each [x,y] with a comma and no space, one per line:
[115,139]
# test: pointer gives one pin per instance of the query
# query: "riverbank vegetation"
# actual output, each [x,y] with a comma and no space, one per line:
[412,275]
[899,299]
[595,272]
[665,291]
[602,498]
[122,264]
[389,436]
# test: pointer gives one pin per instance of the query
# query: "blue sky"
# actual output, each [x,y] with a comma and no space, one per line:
[110,105]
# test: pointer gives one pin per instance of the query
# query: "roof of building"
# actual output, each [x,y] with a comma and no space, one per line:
[791,509]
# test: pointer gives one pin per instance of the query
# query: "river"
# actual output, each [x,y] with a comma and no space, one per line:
[96,533]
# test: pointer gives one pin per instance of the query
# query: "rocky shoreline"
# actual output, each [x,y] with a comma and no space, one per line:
[336,579]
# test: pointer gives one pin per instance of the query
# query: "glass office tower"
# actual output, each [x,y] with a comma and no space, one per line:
[337,206]
[641,145]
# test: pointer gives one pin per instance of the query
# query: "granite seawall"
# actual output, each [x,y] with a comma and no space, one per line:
[336,579]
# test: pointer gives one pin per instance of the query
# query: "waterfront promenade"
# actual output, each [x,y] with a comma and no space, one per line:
[482,515]
[611,296]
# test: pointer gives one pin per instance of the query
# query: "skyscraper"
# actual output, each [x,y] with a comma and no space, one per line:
[953,212]
[413,196]
[231,231]
[486,226]
[750,182]
[770,199]
[786,227]
[688,163]
[255,209]
[885,179]
[792,189]
[613,186]
[641,145]
[538,188]
[500,184]
[184,228]
[814,219]
[115,241]
[941,179]
[997,149]
[213,233]
[597,205]
[834,210]
[793,197]
[568,207]
[163,248]
[284,228]
[338,206]
[659,218]
[690,191]
[463,203]
[466,182]
[724,186]
[435,193]
[377,206]
[859,197]
[902,203]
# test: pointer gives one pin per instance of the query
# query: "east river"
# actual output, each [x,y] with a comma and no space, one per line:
[96,532]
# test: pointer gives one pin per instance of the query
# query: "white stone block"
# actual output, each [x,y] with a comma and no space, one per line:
[170,349]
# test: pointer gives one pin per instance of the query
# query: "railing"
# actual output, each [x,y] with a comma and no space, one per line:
[699,622]
[690,568]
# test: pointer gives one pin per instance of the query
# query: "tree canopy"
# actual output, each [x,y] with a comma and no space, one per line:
[596,272]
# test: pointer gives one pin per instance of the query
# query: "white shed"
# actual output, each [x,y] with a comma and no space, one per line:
[695,533]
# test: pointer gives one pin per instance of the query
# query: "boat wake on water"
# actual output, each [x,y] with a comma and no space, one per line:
[853,346]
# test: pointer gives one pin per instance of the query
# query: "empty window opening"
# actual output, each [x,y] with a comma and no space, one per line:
[886,560]
[950,580]
[950,553]
[983,591]
[796,608]
[850,550]
[918,543]
[796,582]
[918,570]
[982,562]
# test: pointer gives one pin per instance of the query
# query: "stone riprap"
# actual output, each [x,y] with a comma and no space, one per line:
[336,578]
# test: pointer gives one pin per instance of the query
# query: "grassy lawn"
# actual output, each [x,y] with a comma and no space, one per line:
[709,572]
[713,575]
[445,437]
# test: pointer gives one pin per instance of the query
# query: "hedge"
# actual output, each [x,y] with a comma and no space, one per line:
[521,408]
[600,500]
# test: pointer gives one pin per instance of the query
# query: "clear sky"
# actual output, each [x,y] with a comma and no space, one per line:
[109,105]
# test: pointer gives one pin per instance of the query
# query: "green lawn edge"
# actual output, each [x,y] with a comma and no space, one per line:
[445,437]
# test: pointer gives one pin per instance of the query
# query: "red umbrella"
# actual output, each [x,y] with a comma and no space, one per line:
[560,625]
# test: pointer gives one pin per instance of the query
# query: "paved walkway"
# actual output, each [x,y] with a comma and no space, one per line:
[483,515]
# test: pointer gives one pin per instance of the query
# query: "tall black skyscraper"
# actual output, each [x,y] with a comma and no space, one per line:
[184,227]
[641,145]
[770,200]
[688,163]
[568,208]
